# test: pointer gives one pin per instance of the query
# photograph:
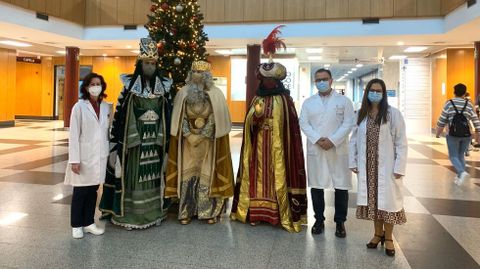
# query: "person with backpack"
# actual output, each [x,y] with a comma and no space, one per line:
[457,114]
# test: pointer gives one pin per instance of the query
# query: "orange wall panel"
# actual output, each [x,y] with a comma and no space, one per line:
[460,69]
[47,87]
[111,68]
[7,84]
[11,85]
[238,111]
[29,89]
[456,67]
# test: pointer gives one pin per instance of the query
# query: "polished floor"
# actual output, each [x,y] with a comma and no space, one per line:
[443,228]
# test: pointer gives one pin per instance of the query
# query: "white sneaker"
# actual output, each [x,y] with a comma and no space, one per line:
[461,179]
[77,233]
[456,180]
[93,229]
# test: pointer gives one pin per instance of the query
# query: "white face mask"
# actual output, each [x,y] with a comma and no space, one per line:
[197,77]
[95,90]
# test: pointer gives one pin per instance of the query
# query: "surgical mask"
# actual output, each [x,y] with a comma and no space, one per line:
[322,86]
[95,90]
[148,69]
[375,97]
[197,77]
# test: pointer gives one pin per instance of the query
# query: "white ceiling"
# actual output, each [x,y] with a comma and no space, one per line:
[341,41]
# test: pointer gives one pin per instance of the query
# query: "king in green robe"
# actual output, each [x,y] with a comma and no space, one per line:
[133,193]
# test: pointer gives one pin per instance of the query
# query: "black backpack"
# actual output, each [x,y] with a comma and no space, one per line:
[459,126]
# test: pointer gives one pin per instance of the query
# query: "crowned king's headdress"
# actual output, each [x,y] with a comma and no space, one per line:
[148,49]
[201,66]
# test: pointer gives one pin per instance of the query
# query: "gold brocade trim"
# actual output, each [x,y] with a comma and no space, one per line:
[244,198]
[278,159]
[222,178]
[264,204]
[221,189]
[260,169]
[172,175]
[297,191]
[221,159]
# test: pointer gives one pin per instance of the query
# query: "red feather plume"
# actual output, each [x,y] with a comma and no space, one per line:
[273,42]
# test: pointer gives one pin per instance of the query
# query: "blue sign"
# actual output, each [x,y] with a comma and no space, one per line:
[391,93]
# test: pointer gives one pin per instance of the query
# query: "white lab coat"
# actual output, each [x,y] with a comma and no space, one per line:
[88,144]
[332,118]
[392,158]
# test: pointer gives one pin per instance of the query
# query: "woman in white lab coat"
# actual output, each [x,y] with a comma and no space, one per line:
[378,155]
[87,153]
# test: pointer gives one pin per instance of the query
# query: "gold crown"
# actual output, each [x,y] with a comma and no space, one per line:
[148,49]
[201,66]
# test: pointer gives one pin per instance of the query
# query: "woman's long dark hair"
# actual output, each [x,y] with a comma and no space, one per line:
[86,82]
[367,105]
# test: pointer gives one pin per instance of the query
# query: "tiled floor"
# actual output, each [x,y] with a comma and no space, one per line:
[443,228]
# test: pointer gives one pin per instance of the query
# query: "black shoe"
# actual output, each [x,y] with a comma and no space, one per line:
[389,252]
[318,227]
[340,231]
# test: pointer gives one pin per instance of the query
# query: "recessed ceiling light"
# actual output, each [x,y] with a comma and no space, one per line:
[326,65]
[14,43]
[359,65]
[314,50]
[129,47]
[286,51]
[315,58]
[350,72]
[104,55]
[238,51]
[61,52]
[400,43]
[116,57]
[224,52]
[415,49]
[397,57]
[354,69]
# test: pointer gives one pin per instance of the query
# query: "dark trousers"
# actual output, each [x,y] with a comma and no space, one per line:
[341,205]
[84,201]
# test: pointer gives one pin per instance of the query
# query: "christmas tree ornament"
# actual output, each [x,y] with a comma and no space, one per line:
[165,6]
[154,8]
[179,8]
[177,61]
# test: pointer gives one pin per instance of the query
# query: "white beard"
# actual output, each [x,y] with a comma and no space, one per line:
[196,94]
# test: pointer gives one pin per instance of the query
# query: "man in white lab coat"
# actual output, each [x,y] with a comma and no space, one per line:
[327,119]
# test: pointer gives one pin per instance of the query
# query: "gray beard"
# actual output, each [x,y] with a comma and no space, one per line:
[196,95]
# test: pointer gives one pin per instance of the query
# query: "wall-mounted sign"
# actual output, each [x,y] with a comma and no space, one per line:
[32,60]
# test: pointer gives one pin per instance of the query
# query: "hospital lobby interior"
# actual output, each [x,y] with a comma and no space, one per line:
[420,48]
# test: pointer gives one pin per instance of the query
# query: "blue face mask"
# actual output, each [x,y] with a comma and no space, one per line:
[322,86]
[375,97]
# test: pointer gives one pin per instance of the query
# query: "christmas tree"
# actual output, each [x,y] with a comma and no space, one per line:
[176,26]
